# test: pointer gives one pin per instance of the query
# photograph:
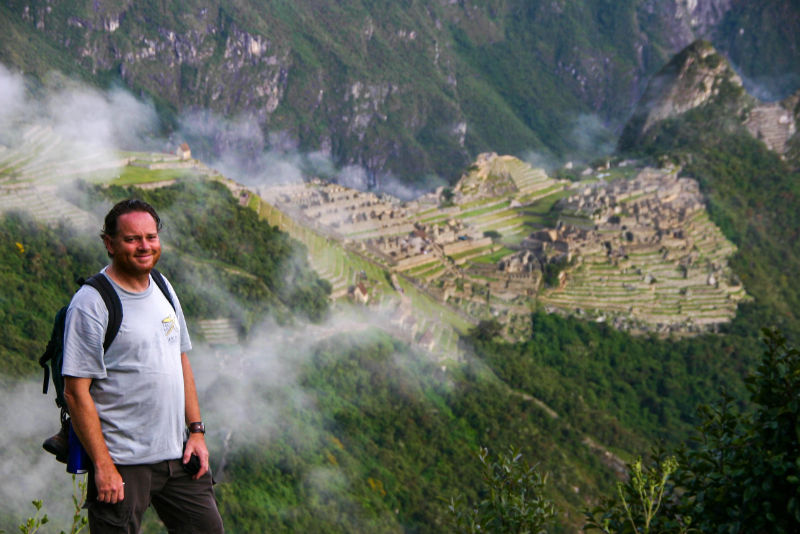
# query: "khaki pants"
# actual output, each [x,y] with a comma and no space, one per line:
[184,505]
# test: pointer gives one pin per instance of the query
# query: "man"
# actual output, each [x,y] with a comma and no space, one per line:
[130,406]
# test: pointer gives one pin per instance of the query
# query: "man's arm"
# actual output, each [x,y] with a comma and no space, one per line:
[86,423]
[197,441]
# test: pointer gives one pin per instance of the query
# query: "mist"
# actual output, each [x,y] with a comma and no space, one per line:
[251,393]
[88,126]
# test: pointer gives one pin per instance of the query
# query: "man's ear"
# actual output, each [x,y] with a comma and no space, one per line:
[107,243]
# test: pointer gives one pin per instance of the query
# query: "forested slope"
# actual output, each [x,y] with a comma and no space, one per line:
[409,89]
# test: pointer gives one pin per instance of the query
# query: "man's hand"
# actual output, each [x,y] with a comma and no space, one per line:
[110,487]
[86,424]
[197,445]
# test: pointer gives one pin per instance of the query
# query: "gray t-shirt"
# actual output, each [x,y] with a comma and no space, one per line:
[138,383]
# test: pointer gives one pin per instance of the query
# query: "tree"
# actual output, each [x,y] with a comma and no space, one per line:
[635,507]
[742,475]
[512,498]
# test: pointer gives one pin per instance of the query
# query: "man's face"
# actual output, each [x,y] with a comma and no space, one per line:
[135,248]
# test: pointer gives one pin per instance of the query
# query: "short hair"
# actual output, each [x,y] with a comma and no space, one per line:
[127,206]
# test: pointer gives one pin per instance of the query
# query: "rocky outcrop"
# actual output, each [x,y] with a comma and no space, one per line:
[699,76]
[397,90]
[776,124]
[693,78]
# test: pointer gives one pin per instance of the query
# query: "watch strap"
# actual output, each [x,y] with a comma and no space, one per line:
[197,428]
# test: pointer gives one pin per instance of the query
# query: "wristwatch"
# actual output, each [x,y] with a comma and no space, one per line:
[197,428]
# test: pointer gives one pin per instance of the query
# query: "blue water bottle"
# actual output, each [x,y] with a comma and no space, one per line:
[77,459]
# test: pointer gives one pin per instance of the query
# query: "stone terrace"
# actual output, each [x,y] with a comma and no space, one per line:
[662,261]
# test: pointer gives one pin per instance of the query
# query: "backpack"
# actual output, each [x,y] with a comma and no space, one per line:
[53,356]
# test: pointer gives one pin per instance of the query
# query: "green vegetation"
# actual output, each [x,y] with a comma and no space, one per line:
[38,272]
[625,391]
[494,257]
[513,499]
[79,520]
[741,473]
[207,236]
[256,263]
[132,175]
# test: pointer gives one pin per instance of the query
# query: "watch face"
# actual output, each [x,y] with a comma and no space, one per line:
[197,428]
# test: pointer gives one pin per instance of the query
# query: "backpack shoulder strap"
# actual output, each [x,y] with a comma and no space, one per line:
[114,305]
[54,347]
[158,278]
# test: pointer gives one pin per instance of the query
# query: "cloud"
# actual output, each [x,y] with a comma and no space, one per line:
[249,393]
[63,129]
[12,95]
[99,120]
[27,470]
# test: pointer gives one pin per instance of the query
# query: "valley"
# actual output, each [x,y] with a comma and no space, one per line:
[628,245]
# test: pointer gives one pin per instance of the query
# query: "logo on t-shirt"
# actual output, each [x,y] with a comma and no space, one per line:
[170,326]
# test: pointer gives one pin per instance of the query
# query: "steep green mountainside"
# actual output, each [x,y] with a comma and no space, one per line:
[409,89]
[251,268]
[359,432]
[356,432]
[752,188]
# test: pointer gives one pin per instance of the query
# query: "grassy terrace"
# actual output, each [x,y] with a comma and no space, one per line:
[130,175]
[333,262]
[535,196]
[422,268]
[472,253]
[486,209]
[494,257]
[432,273]
[432,310]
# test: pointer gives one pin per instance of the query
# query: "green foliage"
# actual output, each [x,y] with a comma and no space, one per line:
[33,524]
[512,498]
[487,330]
[447,197]
[625,391]
[740,475]
[38,273]
[79,520]
[744,475]
[259,265]
[552,271]
[635,508]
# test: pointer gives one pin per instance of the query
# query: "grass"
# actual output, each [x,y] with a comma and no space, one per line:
[422,268]
[481,211]
[494,257]
[131,175]
[470,252]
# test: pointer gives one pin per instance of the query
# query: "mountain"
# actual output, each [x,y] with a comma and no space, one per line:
[405,89]
[697,115]
[700,77]
[351,413]
[346,422]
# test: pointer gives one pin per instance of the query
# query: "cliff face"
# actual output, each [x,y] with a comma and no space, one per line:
[694,77]
[699,76]
[398,89]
